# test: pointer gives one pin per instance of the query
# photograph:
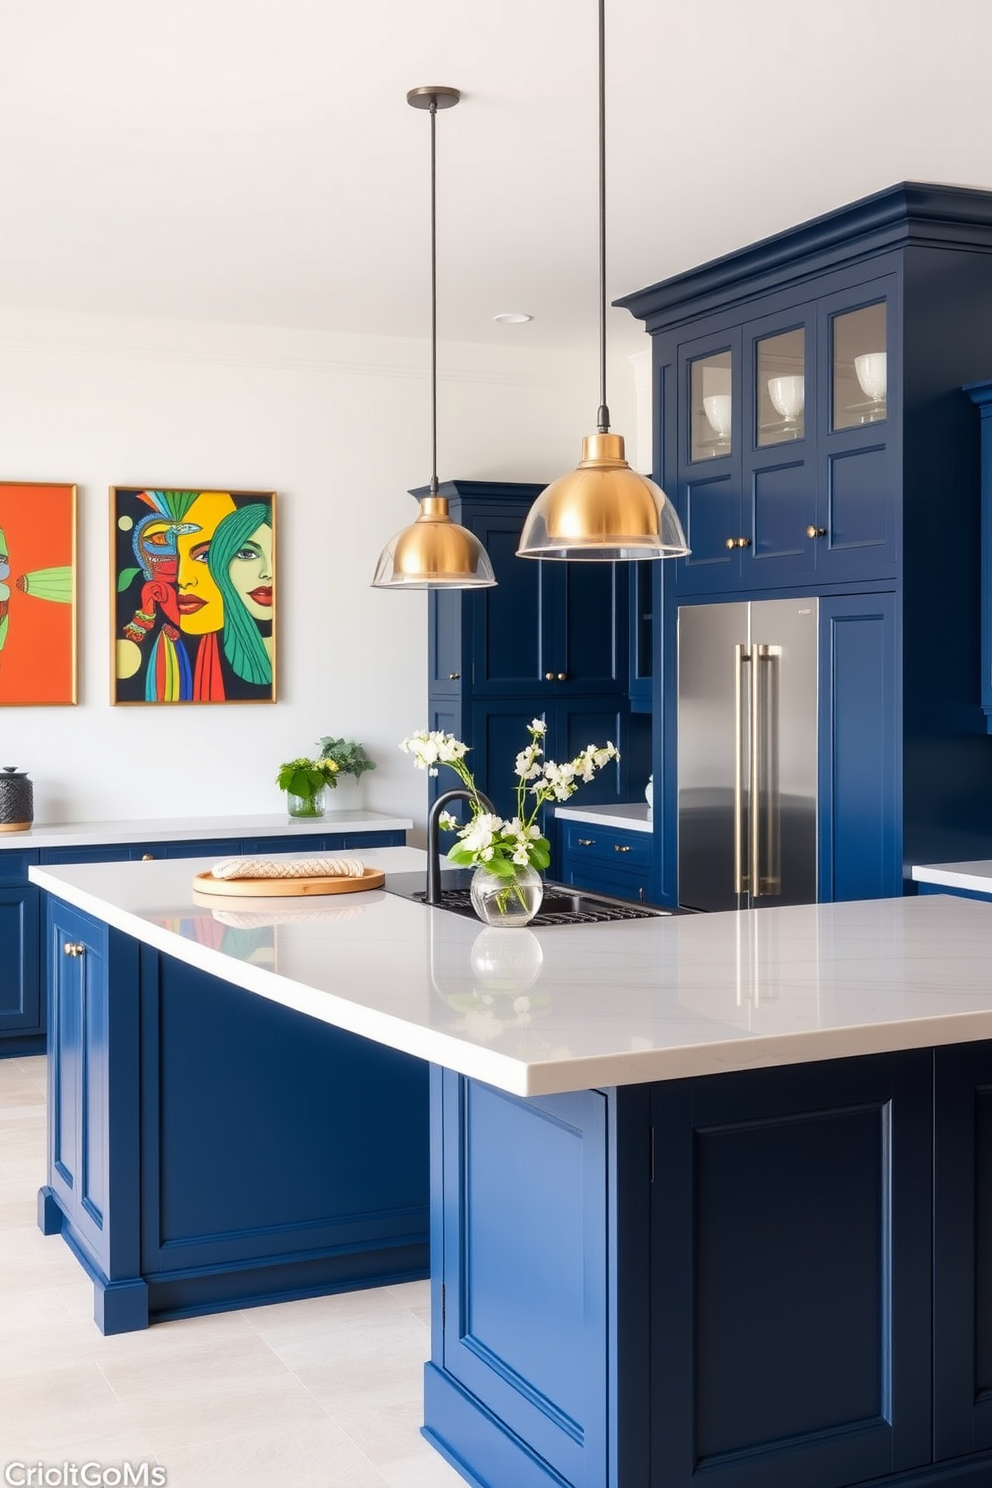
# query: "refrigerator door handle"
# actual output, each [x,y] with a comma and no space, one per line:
[765,822]
[741,731]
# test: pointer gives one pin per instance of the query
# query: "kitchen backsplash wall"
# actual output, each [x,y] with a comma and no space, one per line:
[339,428]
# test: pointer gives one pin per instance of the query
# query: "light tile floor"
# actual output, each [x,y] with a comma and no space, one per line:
[323,1393]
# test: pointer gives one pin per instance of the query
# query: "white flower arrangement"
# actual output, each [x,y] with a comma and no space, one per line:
[489,841]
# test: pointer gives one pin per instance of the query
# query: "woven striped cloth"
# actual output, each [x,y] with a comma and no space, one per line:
[295,868]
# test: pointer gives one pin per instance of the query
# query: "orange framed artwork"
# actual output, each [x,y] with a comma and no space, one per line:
[37,594]
[194,595]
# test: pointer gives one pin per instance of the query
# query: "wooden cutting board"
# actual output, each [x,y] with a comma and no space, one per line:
[265,888]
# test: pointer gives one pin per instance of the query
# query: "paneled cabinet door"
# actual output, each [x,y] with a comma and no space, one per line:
[859,829]
[963,1250]
[705,388]
[778,449]
[859,432]
[980,394]
[21,1008]
[791,1251]
[547,629]
[93,1082]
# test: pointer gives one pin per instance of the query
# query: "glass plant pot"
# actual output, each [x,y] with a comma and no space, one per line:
[507,901]
[311,806]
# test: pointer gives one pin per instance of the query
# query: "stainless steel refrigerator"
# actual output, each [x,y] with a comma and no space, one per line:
[747,753]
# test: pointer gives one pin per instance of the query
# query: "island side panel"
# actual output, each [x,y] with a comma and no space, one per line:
[519,1388]
[281,1156]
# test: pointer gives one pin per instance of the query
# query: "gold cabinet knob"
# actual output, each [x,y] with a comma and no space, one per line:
[73,948]
[549,676]
[738,542]
[562,676]
[619,847]
[148,857]
[816,531]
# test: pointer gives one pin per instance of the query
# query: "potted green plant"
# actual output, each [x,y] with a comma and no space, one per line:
[305,781]
[349,757]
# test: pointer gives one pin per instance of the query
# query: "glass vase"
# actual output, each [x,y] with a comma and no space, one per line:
[306,806]
[507,901]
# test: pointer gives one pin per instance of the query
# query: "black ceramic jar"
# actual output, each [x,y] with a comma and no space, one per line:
[16,800]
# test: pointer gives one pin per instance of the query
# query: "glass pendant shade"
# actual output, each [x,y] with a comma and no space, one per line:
[434,553]
[603,511]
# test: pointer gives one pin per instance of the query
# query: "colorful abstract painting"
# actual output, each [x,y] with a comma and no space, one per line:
[37,594]
[194,595]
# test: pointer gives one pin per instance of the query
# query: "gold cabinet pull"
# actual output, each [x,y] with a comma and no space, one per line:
[738,542]
[620,847]
[73,948]
[587,842]
[816,531]
[454,676]
[148,857]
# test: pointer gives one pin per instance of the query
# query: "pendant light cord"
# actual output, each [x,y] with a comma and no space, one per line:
[433,112]
[603,416]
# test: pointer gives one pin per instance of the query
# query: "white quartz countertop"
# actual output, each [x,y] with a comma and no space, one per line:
[976,876]
[631,816]
[573,1007]
[189,828]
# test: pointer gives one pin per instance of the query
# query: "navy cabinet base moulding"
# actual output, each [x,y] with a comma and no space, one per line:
[22,1000]
[208,1150]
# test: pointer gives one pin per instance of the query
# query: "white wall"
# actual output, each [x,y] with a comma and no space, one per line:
[339,427]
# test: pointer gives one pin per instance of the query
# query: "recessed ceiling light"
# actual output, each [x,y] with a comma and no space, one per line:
[512,317]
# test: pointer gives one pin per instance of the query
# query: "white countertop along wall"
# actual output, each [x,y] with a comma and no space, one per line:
[631,816]
[568,1008]
[976,876]
[190,828]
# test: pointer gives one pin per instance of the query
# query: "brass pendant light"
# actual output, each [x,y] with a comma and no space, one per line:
[603,511]
[434,553]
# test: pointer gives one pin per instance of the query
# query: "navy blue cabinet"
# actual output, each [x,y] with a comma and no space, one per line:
[550,640]
[210,1149]
[750,1280]
[21,1010]
[607,860]
[810,427]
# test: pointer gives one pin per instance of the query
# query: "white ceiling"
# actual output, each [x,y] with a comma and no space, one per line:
[256,161]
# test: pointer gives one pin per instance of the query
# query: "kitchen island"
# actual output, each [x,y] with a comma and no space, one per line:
[710,1195]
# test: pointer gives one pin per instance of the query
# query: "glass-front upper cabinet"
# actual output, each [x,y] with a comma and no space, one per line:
[780,383]
[858,367]
[711,405]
